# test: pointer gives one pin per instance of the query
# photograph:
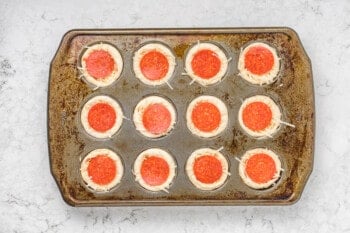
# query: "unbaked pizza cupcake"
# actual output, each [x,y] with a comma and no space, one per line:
[101,116]
[259,63]
[154,64]
[260,168]
[155,169]
[207,169]
[206,63]
[259,116]
[154,116]
[101,64]
[102,169]
[206,116]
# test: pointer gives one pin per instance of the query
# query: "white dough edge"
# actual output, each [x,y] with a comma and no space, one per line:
[223,112]
[116,57]
[141,107]
[190,173]
[85,111]
[259,79]
[206,46]
[276,117]
[87,179]
[160,154]
[161,49]
[245,177]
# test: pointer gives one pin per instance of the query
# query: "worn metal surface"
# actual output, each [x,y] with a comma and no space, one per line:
[293,91]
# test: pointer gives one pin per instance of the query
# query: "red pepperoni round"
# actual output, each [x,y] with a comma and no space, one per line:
[261,168]
[259,60]
[102,169]
[207,169]
[154,170]
[100,64]
[154,65]
[156,118]
[257,116]
[102,117]
[206,116]
[205,64]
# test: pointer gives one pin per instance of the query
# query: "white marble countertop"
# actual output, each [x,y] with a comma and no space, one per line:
[30,32]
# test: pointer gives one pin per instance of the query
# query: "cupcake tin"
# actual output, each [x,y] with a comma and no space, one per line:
[292,91]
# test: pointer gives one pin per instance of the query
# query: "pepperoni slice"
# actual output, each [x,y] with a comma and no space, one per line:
[100,64]
[154,170]
[206,116]
[205,64]
[154,65]
[259,60]
[207,169]
[156,118]
[257,116]
[102,117]
[102,169]
[261,168]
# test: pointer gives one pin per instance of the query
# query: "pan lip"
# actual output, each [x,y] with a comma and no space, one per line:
[175,30]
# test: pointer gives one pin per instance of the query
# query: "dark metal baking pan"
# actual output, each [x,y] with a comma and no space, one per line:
[292,91]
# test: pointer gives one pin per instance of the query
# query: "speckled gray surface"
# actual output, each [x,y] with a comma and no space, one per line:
[29,36]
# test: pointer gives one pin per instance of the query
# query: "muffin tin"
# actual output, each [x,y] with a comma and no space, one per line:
[292,91]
